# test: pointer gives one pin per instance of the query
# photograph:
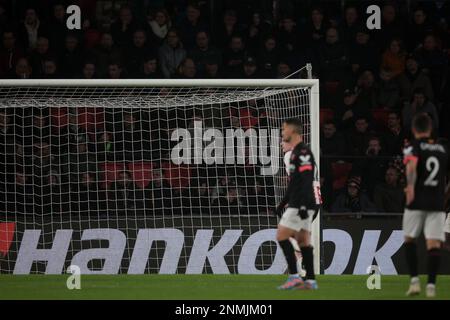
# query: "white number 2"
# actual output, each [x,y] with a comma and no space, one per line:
[432,166]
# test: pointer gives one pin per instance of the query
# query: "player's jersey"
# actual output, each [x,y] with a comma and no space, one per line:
[301,170]
[432,162]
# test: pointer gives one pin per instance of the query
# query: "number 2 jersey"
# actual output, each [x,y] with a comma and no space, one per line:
[432,167]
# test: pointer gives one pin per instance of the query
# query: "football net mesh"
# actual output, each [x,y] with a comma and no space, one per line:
[200,160]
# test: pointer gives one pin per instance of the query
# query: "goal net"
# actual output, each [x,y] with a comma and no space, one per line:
[136,176]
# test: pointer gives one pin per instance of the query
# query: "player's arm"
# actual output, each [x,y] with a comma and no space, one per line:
[410,161]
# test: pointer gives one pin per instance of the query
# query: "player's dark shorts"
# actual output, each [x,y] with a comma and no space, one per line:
[290,219]
[430,222]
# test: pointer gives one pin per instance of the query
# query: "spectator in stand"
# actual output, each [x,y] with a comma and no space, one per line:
[269,57]
[18,197]
[391,26]
[31,29]
[42,159]
[389,195]
[353,199]
[36,130]
[419,104]
[71,57]
[394,136]
[158,25]
[79,160]
[50,69]
[373,165]
[203,52]
[288,36]
[250,69]
[230,204]
[58,27]
[350,26]
[258,201]
[363,54]
[358,138]
[435,62]
[105,52]
[187,69]
[149,68]
[332,142]
[228,29]
[414,77]
[212,69]
[418,28]
[394,57]
[346,113]
[7,141]
[55,194]
[257,31]
[122,30]
[190,25]
[71,134]
[131,141]
[86,197]
[283,70]
[89,70]
[333,57]
[115,71]
[39,55]
[138,51]
[105,146]
[388,91]
[10,53]
[23,69]
[234,56]
[316,28]
[367,91]
[160,191]
[124,194]
[171,54]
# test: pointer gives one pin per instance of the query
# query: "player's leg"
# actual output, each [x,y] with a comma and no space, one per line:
[288,225]
[447,233]
[434,235]
[298,256]
[413,221]
[304,240]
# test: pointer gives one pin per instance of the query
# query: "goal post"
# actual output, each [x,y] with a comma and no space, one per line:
[185,173]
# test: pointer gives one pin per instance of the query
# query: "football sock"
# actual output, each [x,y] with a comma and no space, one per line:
[308,262]
[289,254]
[411,258]
[434,258]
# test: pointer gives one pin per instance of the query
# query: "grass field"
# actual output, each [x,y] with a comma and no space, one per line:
[208,287]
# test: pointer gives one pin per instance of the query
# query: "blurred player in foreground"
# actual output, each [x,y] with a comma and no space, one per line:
[297,219]
[426,167]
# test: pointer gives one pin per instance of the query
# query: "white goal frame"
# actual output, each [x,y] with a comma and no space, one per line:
[313,84]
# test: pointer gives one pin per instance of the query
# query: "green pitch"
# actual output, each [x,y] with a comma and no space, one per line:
[253,287]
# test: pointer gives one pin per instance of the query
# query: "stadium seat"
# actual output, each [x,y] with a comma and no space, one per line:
[141,172]
[380,117]
[88,118]
[109,172]
[340,171]
[247,119]
[177,176]
[58,117]
[326,115]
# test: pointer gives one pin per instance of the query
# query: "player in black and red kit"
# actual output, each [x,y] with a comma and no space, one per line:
[301,204]
[426,169]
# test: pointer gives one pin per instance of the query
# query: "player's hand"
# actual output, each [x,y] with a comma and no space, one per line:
[303,213]
[409,192]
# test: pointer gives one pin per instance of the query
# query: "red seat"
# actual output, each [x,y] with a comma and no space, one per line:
[326,115]
[177,176]
[59,117]
[340,172]
[380,117]
[247,119]
[109,172]
[90,118]
[141,172]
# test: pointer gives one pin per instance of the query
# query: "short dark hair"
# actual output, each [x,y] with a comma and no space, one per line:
[296,123]
[422,123]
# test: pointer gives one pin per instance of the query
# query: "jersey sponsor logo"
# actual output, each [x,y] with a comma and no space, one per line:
[305,159]
[408,150]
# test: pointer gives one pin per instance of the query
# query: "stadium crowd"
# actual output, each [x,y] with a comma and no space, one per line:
[372,83]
